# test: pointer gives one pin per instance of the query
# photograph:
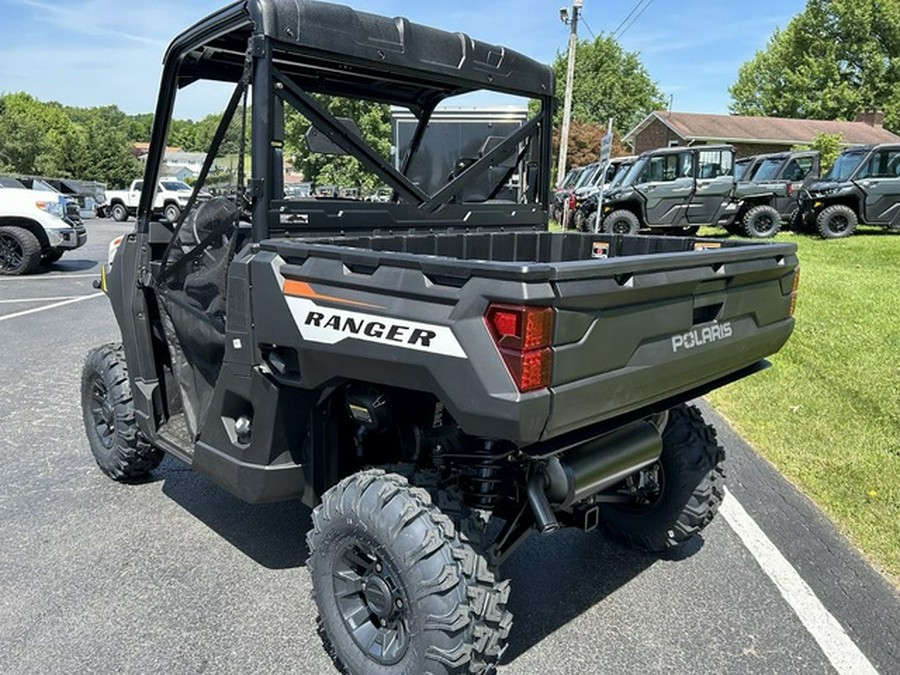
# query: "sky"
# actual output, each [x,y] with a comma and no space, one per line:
[104,52]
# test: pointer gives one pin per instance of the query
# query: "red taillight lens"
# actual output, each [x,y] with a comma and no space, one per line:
[524,335]
[790,189]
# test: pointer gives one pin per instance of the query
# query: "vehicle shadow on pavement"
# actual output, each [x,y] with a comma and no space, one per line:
[558,577]
[67,266]
[274,535]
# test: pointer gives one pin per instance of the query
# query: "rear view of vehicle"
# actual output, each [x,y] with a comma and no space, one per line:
[863,186]
[437,375]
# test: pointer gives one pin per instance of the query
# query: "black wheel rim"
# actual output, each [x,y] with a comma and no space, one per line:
[621,227]
[838,223]
[102,413]
[11,253]
[371,603]
[764,224]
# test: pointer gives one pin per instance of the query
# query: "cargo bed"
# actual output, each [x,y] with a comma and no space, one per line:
[639,319]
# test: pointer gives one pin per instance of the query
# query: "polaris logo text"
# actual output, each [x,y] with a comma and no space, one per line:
[327,325]
[701,336]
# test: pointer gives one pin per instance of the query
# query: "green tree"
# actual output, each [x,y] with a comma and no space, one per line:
[106,156]
[829,147]
[833,60]
[609,83]
[374,121]
[36,137]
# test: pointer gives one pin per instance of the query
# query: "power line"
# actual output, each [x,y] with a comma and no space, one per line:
[628,16]
[584,21]
[638,16]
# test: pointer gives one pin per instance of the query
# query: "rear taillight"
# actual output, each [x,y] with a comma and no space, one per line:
[790,189]
[523,335]
[794,290]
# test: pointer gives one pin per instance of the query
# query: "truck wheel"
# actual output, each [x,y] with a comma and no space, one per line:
[172,213]
[397,588]
[691,482]
[20,251]
[119,448]
[51,257]
[837,222]
[762,222]
[621,222]
[119,213]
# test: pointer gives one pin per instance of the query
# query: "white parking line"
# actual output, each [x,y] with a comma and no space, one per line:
[16,315]
[839,648]
[21,300]
[44,277]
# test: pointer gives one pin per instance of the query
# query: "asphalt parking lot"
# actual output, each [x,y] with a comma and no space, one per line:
[175,575]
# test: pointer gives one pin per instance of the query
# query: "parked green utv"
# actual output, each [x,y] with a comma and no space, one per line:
[863,186]
[680,190]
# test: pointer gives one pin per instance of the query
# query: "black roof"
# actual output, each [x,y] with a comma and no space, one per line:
[390,59]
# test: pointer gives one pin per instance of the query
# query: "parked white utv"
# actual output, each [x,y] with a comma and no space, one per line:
[33,229]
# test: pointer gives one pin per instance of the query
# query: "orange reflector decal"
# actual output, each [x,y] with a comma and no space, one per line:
[301,289]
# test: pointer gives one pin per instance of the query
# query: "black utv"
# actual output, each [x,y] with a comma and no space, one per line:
[439,376]
[586,209]
[788,174]
[604,179]
[863,186]
[679,190]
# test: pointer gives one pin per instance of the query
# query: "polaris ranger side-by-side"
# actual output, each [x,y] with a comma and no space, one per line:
[788,174]
[438,375]
[679,190]
[863,186]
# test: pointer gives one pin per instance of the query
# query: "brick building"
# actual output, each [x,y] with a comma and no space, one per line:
[751,135]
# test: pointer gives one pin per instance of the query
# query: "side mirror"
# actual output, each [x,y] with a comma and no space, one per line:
[319,142]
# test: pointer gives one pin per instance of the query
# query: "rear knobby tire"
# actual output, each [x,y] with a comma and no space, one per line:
[119,448]
[836,222]
[451,616]
[692,482]
[20,251]
[762,222]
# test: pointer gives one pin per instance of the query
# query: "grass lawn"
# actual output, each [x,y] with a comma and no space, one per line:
[828,413]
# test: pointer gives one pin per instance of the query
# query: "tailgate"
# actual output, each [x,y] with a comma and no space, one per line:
[634,334]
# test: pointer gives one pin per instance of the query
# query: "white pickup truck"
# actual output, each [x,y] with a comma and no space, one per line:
[171,197]
[33,229]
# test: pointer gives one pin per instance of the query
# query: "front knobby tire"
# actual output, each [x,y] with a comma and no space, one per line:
[836,222]
[118,446]
[398,588]
[621,222]
[692,481]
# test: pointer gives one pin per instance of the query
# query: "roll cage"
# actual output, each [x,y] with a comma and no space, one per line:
[288,51]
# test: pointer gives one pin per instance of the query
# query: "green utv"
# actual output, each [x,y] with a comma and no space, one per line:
[863,186]
[438,376]
[679,190]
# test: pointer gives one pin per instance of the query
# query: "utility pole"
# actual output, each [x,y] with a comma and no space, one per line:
[570,77]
